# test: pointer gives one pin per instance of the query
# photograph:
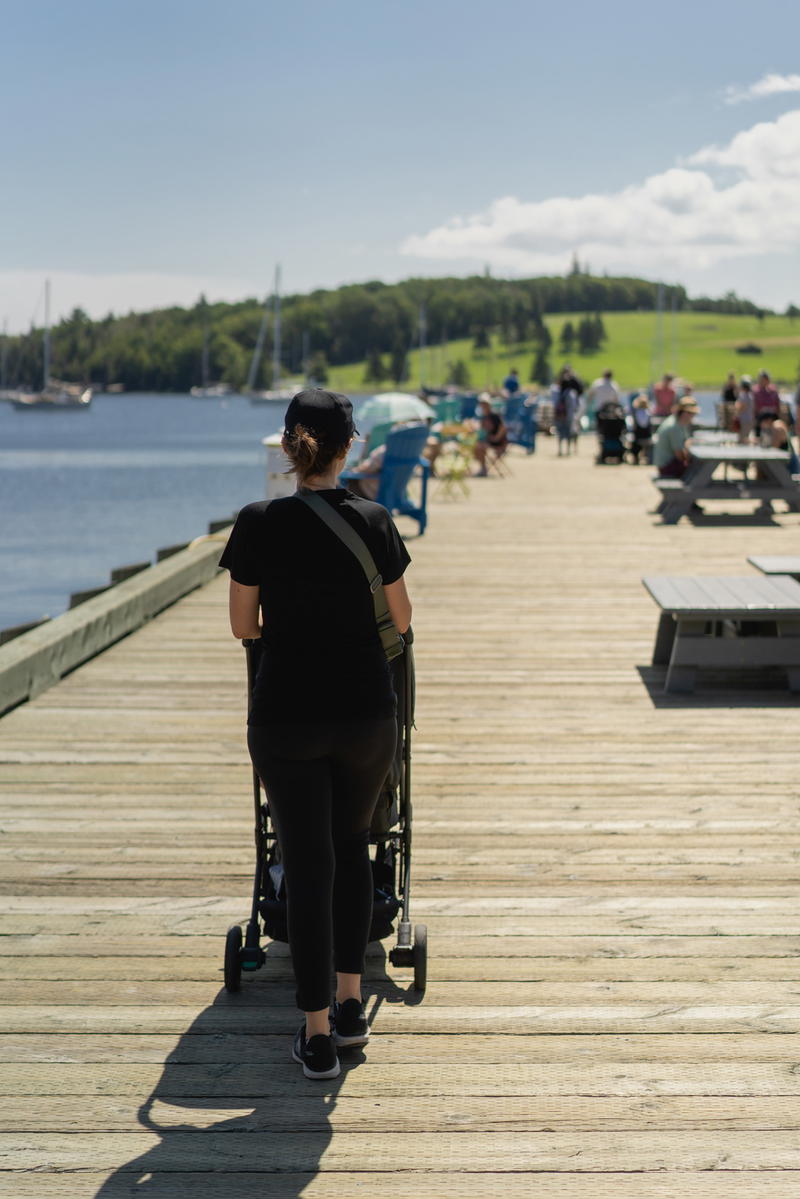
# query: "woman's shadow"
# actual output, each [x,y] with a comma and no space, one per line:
[235,1058]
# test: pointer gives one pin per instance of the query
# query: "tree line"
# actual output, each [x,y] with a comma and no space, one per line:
[162,350]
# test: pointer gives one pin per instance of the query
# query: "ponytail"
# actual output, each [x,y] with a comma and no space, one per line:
[307,454]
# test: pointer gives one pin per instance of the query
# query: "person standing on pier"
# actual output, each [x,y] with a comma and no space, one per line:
[766,401]
[665,396]
[322,725]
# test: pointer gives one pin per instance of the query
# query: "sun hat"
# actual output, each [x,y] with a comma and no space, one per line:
[326,414]
[687,405]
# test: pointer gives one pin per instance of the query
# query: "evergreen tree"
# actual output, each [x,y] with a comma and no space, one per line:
[318,367]
[480,339]
[376,371]
[587,336]
[458,373]
[398,367]
[540,369]
[599,331]
[543,337]
[792,312]
[567,340]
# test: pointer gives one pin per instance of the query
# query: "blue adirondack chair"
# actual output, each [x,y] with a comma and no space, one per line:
[403,454]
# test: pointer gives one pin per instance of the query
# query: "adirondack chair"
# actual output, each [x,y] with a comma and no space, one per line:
[448,409]
[378,434]
[403,455]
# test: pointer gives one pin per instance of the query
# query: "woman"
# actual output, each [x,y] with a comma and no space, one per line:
[492,433]
[322,725]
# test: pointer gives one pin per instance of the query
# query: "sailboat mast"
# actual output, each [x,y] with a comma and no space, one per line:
[674,331]
[204,359]
[4,356]
[276,352]
[306,354]
[46,371]
[658,340]
[259,347]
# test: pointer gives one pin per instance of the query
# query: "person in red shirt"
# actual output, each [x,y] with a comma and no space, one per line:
[665,396]
[766,400]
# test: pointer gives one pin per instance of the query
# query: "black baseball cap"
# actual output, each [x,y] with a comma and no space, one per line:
[326,414]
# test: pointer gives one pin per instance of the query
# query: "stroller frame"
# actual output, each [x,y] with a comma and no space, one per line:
[392,841]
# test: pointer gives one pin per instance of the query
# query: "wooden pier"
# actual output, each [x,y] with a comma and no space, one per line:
[609,876]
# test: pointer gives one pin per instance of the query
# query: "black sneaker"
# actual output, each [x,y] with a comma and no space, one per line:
[350,1026]
[317,1055]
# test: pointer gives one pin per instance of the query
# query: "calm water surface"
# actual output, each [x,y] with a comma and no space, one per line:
[84,491]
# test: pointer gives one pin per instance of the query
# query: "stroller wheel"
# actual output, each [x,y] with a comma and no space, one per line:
[233,963]
[420,956]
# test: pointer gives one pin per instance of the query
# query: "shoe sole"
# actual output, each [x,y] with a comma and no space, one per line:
[349,1042]
[334,1072]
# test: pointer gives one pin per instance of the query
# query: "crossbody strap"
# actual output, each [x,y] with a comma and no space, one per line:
[391,640]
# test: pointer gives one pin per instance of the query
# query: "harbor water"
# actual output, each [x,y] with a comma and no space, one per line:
[83,491]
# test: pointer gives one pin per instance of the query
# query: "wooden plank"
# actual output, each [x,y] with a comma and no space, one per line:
[463,1152]
[254,1048]
[217,1081]
[321,1184]
[404,1018]
[262,988]
[529,1113]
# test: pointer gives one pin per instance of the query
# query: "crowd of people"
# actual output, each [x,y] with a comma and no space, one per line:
[650,426]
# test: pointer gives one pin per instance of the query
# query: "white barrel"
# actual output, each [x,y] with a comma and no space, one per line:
[278,482]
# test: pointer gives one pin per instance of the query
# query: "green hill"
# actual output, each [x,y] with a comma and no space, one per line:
[702,351]
[335,332]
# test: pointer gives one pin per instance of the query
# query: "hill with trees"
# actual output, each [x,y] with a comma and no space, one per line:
[373,323]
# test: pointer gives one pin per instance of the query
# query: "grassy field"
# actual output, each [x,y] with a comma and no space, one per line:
[701,349]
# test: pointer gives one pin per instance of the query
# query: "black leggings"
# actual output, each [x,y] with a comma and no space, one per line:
[322,782]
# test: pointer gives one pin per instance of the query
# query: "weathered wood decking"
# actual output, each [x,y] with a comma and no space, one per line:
[609,876]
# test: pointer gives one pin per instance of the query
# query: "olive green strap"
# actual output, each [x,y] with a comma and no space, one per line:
[391,640]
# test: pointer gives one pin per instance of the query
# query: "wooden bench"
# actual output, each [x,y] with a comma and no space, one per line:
[777,564]
[723,623]
[771,482]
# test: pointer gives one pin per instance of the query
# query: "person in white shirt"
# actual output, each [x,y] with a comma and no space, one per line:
[603,391]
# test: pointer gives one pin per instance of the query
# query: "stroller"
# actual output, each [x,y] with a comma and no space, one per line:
[390,834]
[611,427]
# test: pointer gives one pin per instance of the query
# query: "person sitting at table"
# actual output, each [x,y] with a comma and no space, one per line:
[765,400]
[671,451]
[775,436]
[744,410]
[492,434]
[728,396]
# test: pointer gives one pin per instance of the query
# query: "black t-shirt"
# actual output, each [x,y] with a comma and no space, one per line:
[322,657]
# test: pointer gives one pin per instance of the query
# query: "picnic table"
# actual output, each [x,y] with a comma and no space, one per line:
[723,623]
[773,480]
[777,564]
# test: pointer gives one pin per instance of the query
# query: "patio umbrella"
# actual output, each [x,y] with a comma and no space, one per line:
[392,406]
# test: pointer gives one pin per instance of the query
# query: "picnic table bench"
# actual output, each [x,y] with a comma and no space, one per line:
[777,564]
[774,481]
[720,623]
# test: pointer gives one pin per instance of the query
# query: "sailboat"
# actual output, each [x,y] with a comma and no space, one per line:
[54,393]
[276,392]
[206,390]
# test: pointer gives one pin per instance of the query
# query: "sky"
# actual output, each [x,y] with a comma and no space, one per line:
[157,150]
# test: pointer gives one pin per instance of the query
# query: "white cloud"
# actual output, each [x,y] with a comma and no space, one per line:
[767,85]
[682,218]
[21,293]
